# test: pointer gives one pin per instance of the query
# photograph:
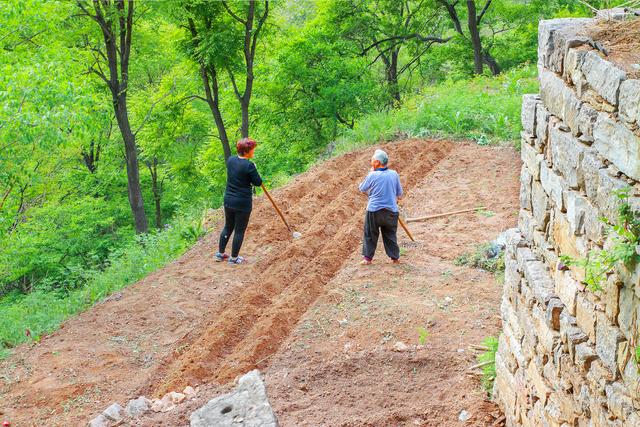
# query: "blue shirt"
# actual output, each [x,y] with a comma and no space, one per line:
[383,187]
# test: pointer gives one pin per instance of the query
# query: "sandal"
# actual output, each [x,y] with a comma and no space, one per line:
[365,261]
[221,257]
[236,260]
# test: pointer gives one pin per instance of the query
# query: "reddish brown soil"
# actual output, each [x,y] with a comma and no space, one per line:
[198,322]
[622,41]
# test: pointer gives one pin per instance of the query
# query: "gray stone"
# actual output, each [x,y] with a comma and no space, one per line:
[606,199]
[526,224]
[247,405]
[559,99]
[540,202]
[137,407]
[584,356]
[567,154]
[603,76]
[566,287]
[618,144]
[586,120]
[553,185]
[573,68]
[531,160]
[618,400]
[630,100]
[542,125]
[528,114]
[537,275]
[590,166]
[586,316]
[553,37]
[607,339]
[100,421]
[114,412]
[525,188]
[629,312]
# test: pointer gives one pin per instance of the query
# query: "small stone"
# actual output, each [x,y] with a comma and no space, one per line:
[99,421]
[464,415]
[137,407]
[399,346]
[343,322]
[189,391]
[176,398]
[113,412]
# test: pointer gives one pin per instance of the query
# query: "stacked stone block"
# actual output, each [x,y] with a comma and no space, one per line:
[566,354]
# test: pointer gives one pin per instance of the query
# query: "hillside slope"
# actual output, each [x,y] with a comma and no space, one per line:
[198,322]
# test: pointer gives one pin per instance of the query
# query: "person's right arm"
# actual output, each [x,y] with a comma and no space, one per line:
[254,176]
[366,184]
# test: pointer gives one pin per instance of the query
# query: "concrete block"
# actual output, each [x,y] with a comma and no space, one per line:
[603,76]
[617,143]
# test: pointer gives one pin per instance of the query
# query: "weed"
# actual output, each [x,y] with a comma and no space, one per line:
[482,257]
[625,238]
[485,213]
[422,335]
[488,362]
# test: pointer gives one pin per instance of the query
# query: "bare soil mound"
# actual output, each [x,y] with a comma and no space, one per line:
[198,322]
[622,41]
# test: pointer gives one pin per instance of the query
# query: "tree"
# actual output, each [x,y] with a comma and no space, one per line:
[115,19]
[224,41]
[382,28]
[481,56]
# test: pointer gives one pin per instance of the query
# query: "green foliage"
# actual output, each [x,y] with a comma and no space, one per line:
[422,335]
[624,236]
[488,361]
[482,257]
[41,311]
[481,108]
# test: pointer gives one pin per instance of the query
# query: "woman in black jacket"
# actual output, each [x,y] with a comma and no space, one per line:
[241,175]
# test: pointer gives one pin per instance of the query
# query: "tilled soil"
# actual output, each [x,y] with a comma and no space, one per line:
[302,311]
[622,41]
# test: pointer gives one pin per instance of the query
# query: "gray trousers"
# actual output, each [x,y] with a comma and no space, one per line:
[384,221]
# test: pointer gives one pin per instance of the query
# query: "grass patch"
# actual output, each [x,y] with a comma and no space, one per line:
[488,362]
[483,256]
[484,109]
[41,312]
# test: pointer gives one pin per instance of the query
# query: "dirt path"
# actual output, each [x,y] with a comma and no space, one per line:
[197,322]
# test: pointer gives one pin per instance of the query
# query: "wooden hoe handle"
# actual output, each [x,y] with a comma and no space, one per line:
[403,225]
[275,206]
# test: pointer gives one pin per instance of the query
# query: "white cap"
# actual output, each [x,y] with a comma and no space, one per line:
[381,156]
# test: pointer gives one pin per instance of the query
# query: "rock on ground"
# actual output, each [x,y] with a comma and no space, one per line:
[246,406]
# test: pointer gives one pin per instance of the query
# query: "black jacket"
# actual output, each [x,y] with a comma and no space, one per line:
[241,174]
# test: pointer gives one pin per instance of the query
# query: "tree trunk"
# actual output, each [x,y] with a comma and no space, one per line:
[491,63]
[244,130]
[156,189]
[474,32]
[212,95]
[131,156]
[392,77]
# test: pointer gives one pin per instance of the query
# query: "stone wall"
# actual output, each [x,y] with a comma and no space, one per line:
[566,353]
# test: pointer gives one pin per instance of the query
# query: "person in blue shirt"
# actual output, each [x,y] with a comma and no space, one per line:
[382,186]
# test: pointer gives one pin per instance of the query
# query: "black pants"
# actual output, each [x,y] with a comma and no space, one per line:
[234,221]
[384,221]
